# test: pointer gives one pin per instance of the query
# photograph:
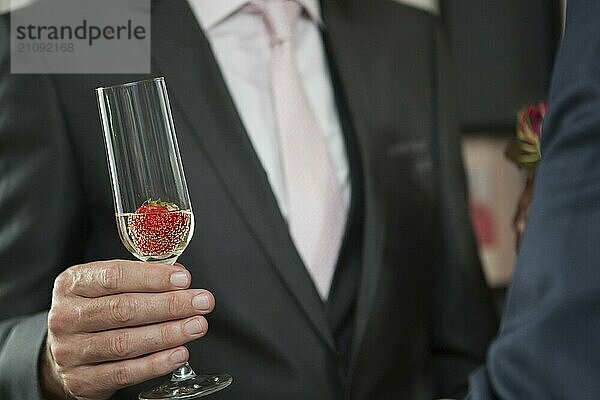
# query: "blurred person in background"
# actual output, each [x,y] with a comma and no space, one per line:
[548,345]
[400,310]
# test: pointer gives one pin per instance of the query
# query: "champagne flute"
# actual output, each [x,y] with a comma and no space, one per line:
[152,205]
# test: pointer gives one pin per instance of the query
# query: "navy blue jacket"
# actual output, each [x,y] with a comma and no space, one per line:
[549,344]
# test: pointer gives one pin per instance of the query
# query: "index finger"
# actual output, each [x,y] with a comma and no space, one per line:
[101,278]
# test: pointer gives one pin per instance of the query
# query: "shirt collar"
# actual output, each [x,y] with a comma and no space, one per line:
[212,12]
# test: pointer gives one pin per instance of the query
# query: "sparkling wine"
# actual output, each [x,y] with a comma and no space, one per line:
[157,236]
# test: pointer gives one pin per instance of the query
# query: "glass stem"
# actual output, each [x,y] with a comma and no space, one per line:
[183,373]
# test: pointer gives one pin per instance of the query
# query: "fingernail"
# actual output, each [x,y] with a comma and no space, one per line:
[178,356]
[179,279]
[201,302]
[193,327]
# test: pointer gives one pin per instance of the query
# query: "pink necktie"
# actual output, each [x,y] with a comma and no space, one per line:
[316,209]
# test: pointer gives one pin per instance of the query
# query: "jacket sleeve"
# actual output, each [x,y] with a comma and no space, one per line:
[464,319]
[40,219]
[548,346]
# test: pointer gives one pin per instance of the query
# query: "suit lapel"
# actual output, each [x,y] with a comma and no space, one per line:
[353,86]
[182,54]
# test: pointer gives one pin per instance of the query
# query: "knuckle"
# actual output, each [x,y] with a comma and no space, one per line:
[167,334]
[122,376]
[158,367]
[63,282]
[73,385]
[175,306]
[122,308]
[61,354]
[120,345]
[110,276]
[58,320]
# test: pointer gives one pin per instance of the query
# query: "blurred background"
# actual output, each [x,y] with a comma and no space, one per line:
[504,51]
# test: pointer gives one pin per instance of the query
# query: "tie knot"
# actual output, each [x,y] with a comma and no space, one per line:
[281,17]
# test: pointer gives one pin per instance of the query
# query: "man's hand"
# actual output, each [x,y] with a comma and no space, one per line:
[114,324]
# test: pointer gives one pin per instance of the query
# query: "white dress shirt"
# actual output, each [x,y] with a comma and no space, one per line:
[240,43]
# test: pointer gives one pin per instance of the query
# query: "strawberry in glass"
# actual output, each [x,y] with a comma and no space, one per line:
[157,231]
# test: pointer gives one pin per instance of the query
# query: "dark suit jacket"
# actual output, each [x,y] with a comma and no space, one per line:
[548,347]
[422,318]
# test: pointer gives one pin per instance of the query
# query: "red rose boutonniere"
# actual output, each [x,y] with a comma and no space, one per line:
[524,151]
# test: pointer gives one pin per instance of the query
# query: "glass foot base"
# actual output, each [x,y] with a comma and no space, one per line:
[194,388]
